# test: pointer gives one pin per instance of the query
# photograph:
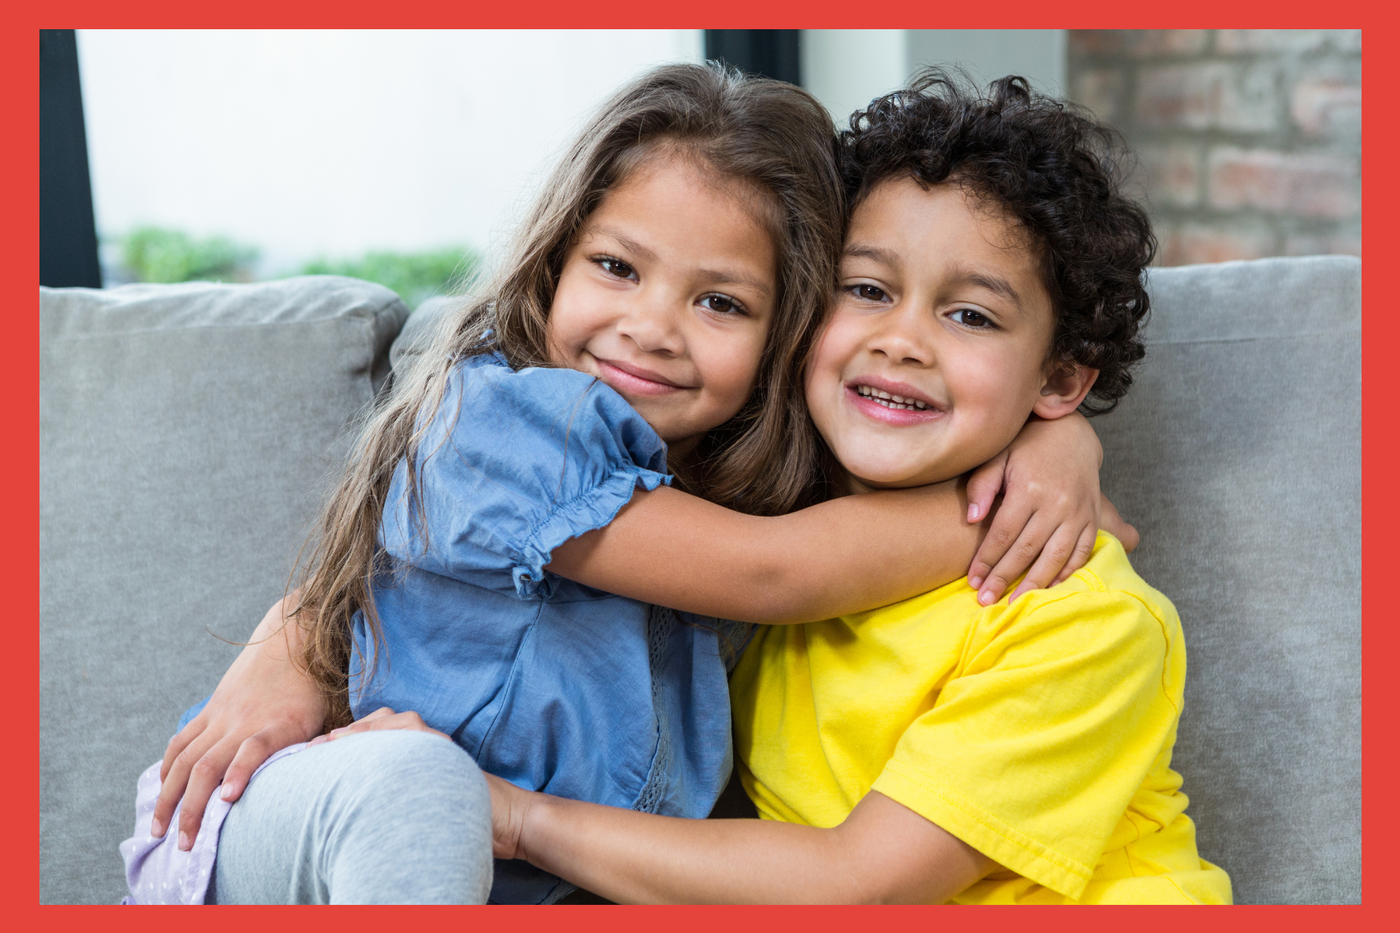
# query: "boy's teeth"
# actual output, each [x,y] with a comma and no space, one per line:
[891,401]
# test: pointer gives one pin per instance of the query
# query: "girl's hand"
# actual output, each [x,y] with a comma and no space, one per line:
[1111,522]
[381,720]
[263,704]
[1050,512]
[509,805]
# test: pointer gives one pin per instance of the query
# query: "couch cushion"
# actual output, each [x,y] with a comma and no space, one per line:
[186,433]
[1238,456]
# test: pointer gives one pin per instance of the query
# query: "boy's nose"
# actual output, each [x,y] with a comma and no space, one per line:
[902,334]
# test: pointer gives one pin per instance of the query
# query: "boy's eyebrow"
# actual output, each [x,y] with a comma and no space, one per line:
[861,251]
[992,283]
[710,276]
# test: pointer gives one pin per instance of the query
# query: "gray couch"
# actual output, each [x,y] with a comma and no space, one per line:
[186,433]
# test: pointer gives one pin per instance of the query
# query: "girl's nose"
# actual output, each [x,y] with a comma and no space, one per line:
[652,326]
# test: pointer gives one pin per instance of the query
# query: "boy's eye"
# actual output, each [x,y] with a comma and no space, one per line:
[721,304]
[868,292]
[970,318]
[616,267]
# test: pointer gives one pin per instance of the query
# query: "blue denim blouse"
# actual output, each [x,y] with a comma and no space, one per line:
[550,684]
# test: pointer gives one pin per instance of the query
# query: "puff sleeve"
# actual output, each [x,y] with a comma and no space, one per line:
[513,464]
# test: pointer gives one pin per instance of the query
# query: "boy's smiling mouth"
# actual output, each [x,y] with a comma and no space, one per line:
[892,403]
[897,402]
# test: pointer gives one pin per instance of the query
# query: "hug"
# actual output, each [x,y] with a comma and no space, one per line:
[765,451]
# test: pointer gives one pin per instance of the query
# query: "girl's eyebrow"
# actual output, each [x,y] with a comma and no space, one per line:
[622,239]
[710,276]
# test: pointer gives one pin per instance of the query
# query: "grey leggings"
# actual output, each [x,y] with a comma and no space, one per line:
[379,818]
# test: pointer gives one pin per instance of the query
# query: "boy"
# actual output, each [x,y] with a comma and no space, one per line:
[936,749]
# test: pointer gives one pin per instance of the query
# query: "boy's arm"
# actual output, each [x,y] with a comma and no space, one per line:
[882,853]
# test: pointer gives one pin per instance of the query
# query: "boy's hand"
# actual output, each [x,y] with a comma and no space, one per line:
[1050,510]
[263,704]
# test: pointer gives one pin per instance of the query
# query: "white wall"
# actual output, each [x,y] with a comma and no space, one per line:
[1036,54]
[846,68]
[334,143]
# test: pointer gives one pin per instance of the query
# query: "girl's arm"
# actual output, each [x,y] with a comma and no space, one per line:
[1046,462]
[883,853]
[857,552]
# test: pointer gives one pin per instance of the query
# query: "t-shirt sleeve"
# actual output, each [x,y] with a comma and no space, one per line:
[1032,754]
[513,464]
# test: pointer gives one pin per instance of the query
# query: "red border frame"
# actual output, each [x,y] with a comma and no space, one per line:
[19,196]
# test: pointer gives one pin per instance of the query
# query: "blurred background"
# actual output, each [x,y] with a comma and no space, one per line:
[405,157]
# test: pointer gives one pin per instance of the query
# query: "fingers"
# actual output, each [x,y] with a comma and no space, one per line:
[179,741]
[187,747]
[1007,531]
[983,485]
[1018,558]
[1083,550]
[204,773]
[381,720]
[255,750]
[1058,554]
[1113,523]
[1128,537]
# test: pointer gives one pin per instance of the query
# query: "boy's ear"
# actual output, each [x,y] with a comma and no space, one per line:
[1065,387]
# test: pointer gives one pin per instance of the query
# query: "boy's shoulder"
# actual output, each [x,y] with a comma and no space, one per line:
[1104,603]
[1109,574]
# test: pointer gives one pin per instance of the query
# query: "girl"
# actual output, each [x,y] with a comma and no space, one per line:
[488,560]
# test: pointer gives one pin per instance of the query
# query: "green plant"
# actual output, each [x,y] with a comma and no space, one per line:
[415,276]
[155,254]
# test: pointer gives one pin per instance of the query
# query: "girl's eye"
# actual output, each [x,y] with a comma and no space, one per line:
[721,304]
[970,318]
[868,292]
[616,267]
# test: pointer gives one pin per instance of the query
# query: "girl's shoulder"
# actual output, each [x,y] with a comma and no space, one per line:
[492,409]
[490,378]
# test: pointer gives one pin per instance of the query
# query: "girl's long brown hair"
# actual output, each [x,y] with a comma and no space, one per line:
[768,136]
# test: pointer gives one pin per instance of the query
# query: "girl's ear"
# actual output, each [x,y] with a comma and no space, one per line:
[1064,389]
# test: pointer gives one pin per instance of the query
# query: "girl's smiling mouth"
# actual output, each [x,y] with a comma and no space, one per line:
[634,380]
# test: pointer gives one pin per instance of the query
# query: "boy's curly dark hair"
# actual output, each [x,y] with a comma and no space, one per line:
[1054,170]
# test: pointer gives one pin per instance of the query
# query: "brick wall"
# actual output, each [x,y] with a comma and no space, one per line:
[1249,140]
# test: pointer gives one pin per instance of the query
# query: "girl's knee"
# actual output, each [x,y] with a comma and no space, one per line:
[402,764]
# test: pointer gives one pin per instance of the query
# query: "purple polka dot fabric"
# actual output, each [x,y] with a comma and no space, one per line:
[157,871]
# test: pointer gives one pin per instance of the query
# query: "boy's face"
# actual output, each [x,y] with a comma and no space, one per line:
[941,304]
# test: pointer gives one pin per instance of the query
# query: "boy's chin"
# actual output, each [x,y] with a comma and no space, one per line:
[872,480]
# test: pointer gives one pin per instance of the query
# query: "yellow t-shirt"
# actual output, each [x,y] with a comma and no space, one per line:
[1041,733]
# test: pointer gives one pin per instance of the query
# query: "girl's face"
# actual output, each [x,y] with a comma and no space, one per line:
[666,295]
[936,351]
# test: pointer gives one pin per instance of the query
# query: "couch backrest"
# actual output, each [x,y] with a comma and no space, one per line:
[1238,456]
[185,434]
